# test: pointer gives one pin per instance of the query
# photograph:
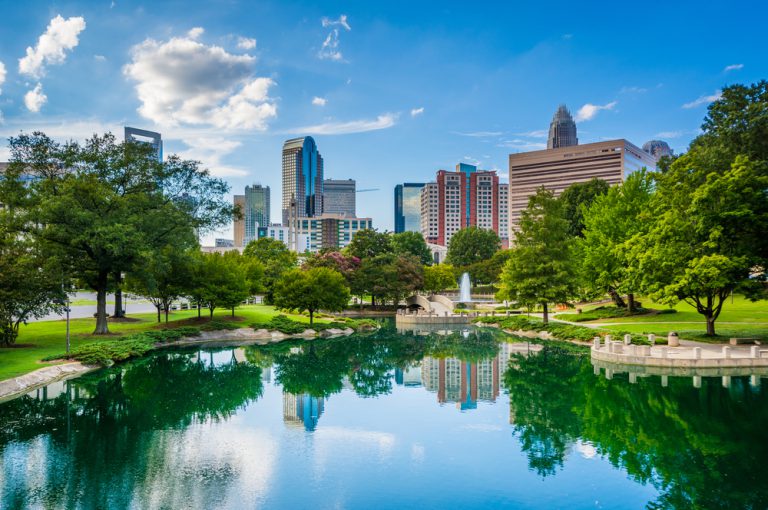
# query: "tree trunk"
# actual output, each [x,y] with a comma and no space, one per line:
[119,312]
[158,312]
[198,309]
[101,305]
[545,319]
[167,306]
[211,309]
[311,317]
[616,298]
[710,324]
[233,311]
[631,307]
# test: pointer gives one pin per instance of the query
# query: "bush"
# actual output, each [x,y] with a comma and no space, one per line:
[109,352]
[282,324]
[171,335]
[219,326]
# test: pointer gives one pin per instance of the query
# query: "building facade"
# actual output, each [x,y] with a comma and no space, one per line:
[302,178]
[239,227]
[408,207]
[282,234]
[339,197]
[562,129]
[256,210]
[556,169]
[144,136]
[331,230]
[460,199]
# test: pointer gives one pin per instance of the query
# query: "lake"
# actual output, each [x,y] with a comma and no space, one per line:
[410,419]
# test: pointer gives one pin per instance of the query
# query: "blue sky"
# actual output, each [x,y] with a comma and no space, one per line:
[390,92]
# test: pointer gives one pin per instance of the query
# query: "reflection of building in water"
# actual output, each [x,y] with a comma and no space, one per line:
[462,382]
[411,376]
[302,409]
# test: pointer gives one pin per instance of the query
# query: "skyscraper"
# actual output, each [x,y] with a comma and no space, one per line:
[657,148]
[408,207]
[302,178]
[339,197]
[562,129]
[239,201]
[144,136]
[256,210]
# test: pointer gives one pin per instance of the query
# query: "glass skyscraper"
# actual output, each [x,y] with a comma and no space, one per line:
[255,211]
[302,178]
[339,197]
[562,129]
[408,207]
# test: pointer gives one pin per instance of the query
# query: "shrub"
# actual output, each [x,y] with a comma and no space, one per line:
[219,326]
[109,352]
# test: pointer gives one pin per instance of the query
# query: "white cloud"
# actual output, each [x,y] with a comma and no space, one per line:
[703,100]
[183,81]
[330,47]
[35,98]
[246,43]
[210,151]
[415,112]
[342,22]
[522,145]
[589,110]
[195,32]
[538,133]
[733,67]
[480,134]
[100,58]
[61,35]
[2,75]
[633,90]
[319,101]
[384,121]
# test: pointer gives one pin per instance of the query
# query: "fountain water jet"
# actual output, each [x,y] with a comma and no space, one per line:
[464,289]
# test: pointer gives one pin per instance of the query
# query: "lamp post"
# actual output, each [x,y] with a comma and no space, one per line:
[67,309]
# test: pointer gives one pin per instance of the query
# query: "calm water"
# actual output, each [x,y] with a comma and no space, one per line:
[460,420]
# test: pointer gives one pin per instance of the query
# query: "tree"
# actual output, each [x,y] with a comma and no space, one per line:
[708,234]
[346,265]
[486,271]
[540,270]
[439,277]
[412,243]
[315,289]
[368,243]
[224,281]
[98,207]
[276,259]
[609,223]
[472,244]
[576,198]
[388,277]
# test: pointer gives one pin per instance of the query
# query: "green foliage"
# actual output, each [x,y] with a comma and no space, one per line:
[388,277]
[344,264]
[368,243]
[471,245]
[216,325]
[275,259]
[312,290]
[222,280]
[171,335]
[109,352]
[486,271]
[412,243]
[540,268]
[609,312]
[282,324]
[438,278]
[577,198]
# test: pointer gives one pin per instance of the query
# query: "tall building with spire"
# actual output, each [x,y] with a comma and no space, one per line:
[302,178]
[562,130]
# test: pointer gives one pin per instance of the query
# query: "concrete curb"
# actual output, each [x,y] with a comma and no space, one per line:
[12,388]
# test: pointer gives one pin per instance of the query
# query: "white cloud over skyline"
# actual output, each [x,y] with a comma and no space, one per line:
[383,121]
[589,110]
[319,101]
[246,43]
[415,112]
[60,35]
[330,49]
[701,100]
[733,67]
[35,98]
[183,81]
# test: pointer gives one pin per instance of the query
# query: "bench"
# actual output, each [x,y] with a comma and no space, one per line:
[742,341]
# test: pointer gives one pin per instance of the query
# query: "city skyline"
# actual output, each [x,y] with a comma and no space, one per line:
[366,83]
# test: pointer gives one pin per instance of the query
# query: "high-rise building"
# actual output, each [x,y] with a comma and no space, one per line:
[556,169]
[144,136]
[462,382]
[657,148]
[331,230]
[460,199]
[239,234]
[339,197]
[302,410]
[408,207]
[256,211]
[302,178]
[562,129]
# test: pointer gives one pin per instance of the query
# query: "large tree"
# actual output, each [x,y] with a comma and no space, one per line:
[311,290]
[99,206]
[540,269]
[388,277]
[471,245]
[412,243]
[276,259]
[439,277]
[368,243]
[576,198]
[609,223]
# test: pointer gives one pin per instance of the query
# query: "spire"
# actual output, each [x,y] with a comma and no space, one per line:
[562,130]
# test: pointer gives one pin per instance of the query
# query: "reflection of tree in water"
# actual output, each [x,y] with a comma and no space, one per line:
[701,448]
[109,432]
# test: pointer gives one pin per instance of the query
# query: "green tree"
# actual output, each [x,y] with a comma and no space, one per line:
[609,223]
[368,243]
[276,259]
[486,271]
[472,244]
[412,243]
[540,269]
[344,264]
[97,208]
[312,290]
[576,198]
[388,277]
[439,277]
[224,281]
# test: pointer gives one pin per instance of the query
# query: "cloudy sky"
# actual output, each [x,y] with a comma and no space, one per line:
[390,92]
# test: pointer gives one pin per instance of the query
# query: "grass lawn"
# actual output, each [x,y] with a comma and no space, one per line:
[40,339]
[740,318]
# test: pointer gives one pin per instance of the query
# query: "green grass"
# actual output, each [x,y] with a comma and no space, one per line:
[39,340]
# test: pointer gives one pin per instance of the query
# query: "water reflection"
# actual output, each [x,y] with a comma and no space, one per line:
[203,428]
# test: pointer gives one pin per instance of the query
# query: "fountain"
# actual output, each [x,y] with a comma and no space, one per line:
[464,289]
